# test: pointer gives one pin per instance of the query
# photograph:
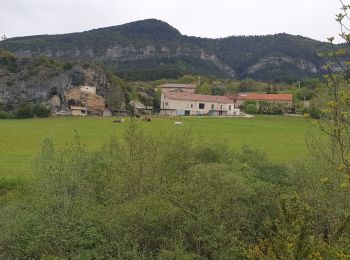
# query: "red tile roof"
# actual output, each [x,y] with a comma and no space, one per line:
[198,97]
[190,86]
[264,97]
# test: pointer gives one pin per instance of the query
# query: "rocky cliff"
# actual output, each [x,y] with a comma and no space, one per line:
[44,79]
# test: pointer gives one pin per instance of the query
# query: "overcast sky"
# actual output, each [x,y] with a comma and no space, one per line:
[205,18]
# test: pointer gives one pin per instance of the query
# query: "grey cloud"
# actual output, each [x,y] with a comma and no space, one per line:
[218,18]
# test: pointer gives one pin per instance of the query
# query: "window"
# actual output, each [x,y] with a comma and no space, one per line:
[221,107]
[229,107]
[201,105]
[212,106]
[191,105]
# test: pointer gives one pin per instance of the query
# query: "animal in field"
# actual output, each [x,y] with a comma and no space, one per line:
[146,119]
[119,121]
[178,123]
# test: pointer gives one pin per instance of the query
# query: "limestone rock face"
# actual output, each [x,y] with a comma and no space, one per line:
[73,94]
[33,82]
[267,62]
[95,104]
[55,103]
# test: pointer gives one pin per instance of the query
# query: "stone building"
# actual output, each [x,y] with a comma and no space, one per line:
[83,100]
[180,104]
[240,98]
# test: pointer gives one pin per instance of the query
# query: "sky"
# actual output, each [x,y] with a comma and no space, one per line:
[204,18]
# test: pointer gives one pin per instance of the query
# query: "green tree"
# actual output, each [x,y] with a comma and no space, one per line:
[250,107]
[204,89]
[247,85]
[156,101]
[336,104]
[333,145]
[290,235]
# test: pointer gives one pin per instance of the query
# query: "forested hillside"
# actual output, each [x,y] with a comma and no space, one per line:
[152,49]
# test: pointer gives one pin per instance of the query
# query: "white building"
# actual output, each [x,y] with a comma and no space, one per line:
[180,103]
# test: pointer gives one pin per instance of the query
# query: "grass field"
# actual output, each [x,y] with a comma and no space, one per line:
[281,138]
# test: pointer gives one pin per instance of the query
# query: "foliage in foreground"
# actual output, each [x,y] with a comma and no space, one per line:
[169,198]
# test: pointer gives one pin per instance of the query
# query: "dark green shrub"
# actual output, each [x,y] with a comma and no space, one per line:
[41,110]
[67,66]
[77,79]
[24,110]
[10,83]
[251,109]
[277,112]
[27,110]
[3,115]
[12,67]
[313,112]
[156,101]
[86,65]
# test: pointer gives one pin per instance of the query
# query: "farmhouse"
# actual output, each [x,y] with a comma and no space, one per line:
[282,102]
[180,103]
[240,98]
[187,88]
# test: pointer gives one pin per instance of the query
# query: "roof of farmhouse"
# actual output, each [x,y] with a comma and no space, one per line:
[263,97]
[198,97]
[190,86]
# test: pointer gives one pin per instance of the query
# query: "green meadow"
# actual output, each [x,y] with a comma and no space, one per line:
[281,138]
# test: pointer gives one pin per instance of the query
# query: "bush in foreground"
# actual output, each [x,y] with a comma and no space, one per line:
[166,197]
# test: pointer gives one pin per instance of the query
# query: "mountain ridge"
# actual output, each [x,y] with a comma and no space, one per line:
[158,20]
[150,49]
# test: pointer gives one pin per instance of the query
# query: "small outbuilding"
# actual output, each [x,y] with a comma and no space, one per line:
[78,110]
